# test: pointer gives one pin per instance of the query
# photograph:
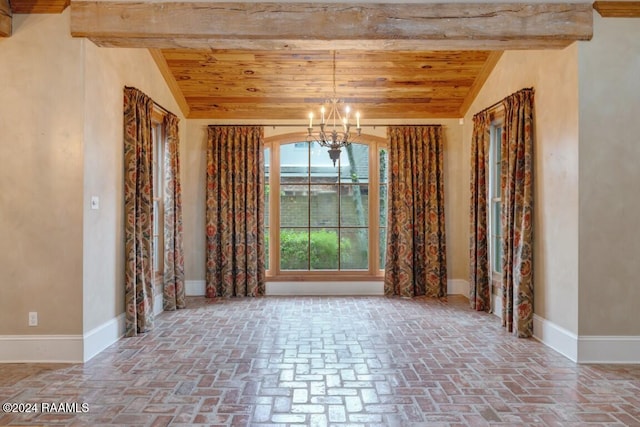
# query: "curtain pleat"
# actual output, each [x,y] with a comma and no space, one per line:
[416,249]
[480,285]
[138,204]
[517,213]
[235,252]
[174,292]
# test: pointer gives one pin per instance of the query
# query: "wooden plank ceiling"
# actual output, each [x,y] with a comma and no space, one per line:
[237,84]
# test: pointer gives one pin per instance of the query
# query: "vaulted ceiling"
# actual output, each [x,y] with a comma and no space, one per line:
[276,60]
[250,84]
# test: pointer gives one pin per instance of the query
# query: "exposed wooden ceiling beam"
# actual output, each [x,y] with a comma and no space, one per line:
[618,9]
[379,26]
[5,18]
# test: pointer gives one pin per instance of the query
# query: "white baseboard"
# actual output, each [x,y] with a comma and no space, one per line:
[61,348]
[103,336]
[194,288]
[608,349]
[325,288]
[556,337]
[41,349]
[458,287]
[454,286]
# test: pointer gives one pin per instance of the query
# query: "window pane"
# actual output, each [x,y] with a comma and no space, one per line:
[294,249]
[383,155]
[496,223]
[322,169]
[156,254]
[383,206]
[383,203]
[382,248]
[354,205]
[497,254]
[266,205]
[267,164]
[496,237]
[496,159]
[354,248]
[156,238]
[266,248]
[497,175]
[324,249]
[324,206]
[294,162]
[294,206]
[354,163]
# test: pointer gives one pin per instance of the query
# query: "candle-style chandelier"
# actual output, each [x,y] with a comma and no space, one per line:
[335,129]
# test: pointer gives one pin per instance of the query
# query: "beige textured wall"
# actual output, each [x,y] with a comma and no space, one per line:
[61,121]
[41,177]
[106,73]
[194,194]
[554,76]
[609,69]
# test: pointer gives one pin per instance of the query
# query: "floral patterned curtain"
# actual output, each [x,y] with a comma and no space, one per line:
[480,286]
[138,205]
[517,213]
[174,292]
[235,252]
[416,260]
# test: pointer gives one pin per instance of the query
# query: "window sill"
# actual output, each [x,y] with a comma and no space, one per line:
[314,276]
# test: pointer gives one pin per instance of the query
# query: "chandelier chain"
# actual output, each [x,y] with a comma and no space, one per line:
[334,74]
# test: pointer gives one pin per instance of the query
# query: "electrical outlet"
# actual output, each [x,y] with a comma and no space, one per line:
[33,318]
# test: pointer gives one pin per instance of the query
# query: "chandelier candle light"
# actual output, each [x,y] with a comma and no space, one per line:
[340,127]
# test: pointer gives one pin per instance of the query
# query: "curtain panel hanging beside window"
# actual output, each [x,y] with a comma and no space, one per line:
[517,213]
[138,205]
[416,250]
[235,251]
[516,182]
[480,285]
[173,290]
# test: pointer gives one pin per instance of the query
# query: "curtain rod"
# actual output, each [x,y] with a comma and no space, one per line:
[160,107]
[493,106]
[497,104]
[155,104]
[305,126]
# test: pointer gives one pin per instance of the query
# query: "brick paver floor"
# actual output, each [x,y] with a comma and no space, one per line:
[327,361]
